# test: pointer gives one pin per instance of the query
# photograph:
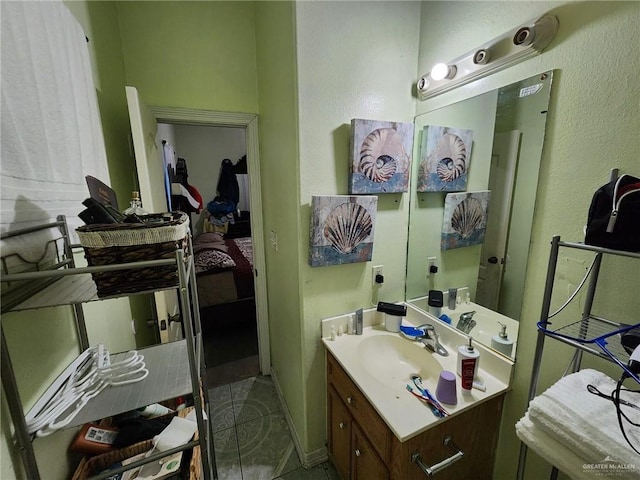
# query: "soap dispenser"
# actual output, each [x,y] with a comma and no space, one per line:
[501,342]
[467,368]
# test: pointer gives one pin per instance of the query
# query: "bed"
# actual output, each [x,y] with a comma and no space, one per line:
[224,269]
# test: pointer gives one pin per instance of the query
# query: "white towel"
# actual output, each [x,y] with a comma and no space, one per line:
[551,450]
[51,130]
[586,423]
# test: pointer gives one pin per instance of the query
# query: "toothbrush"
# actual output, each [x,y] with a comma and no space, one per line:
[417,381]
[434,408]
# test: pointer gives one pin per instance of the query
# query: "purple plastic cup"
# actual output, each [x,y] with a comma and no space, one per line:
[446,390]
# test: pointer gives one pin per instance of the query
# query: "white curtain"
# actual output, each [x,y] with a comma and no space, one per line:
[51,133]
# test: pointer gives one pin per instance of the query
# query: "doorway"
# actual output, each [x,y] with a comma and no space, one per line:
[248,124]
[211,164]
[494,259]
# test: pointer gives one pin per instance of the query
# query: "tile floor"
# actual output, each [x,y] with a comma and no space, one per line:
[251,436]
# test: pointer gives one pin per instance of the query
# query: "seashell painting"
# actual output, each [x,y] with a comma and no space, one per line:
[445,156]
[342,228]
[380,156]
[465,219]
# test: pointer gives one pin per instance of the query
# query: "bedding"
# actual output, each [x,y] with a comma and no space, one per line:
[224,269]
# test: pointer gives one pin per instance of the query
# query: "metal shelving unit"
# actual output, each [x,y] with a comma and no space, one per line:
[174,368]
[590,334]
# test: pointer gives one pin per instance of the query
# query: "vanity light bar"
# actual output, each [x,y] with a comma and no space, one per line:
[522,42]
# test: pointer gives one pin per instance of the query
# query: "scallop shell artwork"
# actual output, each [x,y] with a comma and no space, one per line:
[342,228]
[348,225]
[445,153]
[465,219]
[380,156]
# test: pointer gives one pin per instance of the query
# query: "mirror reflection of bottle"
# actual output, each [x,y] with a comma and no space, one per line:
[435,302]
[501,342]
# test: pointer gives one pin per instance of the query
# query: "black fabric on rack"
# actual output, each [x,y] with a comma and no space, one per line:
[228,187]
[181,172]
[240,168]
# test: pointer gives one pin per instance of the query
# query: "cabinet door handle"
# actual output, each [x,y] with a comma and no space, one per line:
[435,468]
[357,452]
[349,400]
[341,425]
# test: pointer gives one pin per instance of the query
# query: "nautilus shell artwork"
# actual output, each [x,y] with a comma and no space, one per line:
[465,219]
[380,156]
[342,228]
[445,158]
[452,157]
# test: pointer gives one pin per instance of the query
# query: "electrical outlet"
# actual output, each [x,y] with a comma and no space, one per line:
[431,262]
[377,270]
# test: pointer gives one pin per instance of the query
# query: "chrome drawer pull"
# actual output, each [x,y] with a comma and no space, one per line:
[357,452]
[432,470]
[349,400]
[341,425]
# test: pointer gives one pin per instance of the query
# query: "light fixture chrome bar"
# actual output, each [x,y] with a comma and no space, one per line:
[515,46]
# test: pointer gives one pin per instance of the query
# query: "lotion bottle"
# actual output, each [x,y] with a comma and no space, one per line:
[467,365]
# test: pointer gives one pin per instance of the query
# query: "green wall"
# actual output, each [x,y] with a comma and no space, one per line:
[594,100]
[355,60]
[277,75]
[199,55]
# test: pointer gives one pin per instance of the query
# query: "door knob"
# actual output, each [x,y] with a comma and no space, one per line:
[341,425]
[357,452]
[493,260]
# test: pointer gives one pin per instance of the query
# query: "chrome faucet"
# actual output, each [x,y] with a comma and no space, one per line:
[431,339]
[466,322]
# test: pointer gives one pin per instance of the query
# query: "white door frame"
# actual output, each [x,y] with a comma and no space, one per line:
[248,121]
[504,160]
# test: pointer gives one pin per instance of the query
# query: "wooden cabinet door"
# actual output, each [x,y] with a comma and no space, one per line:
[365,462]
[339,434]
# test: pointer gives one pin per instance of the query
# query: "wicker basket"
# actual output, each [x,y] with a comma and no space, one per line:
[90,466]
[109,244]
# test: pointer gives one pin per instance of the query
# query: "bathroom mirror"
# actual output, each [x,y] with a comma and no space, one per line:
[507,127]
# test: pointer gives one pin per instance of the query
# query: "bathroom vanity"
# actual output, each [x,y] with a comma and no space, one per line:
[378,430]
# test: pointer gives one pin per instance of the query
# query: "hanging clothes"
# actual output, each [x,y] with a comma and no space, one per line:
[228,187]
[240,168]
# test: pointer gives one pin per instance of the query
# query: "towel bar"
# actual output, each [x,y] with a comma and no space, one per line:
[432,470]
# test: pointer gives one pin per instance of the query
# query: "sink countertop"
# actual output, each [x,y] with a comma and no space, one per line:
[405,414]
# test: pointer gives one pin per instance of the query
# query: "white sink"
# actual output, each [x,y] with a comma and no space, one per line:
[392,360]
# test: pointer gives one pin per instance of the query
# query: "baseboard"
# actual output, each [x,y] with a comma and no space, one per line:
[308,459]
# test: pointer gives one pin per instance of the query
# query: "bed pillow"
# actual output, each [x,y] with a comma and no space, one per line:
[209,238]
[211,259]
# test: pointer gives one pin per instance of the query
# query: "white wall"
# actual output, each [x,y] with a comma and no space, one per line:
[204,148]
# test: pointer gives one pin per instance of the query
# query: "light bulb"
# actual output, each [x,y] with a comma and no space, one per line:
[440,71]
